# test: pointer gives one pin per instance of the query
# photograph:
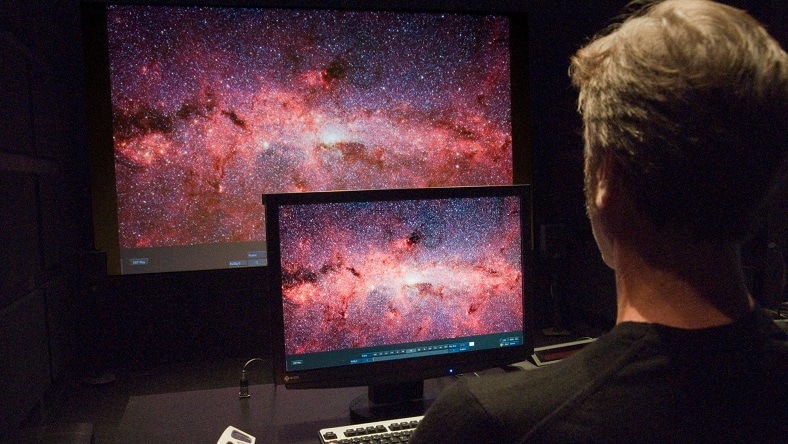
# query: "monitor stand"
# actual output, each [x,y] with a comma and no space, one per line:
[390,401]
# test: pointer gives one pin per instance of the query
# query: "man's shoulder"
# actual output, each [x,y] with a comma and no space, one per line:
[631,366]
[508,406]
[530,395]
[493,408]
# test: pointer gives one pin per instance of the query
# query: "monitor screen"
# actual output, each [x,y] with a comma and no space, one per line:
[195,111]
[397,286]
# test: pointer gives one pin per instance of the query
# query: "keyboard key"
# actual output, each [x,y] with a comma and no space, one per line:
[396,431]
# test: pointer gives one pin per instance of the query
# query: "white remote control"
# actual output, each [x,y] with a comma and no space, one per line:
[232,435]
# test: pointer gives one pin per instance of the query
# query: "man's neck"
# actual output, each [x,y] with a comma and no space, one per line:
[696,287]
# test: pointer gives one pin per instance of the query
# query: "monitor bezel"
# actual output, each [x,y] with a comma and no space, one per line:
[405,370]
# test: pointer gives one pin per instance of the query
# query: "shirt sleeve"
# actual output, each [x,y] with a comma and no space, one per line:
[457,416]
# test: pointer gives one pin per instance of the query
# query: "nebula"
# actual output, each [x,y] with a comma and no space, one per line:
[362,275]
[212,107]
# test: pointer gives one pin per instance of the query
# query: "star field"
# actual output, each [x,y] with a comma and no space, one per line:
[361,275]
[214,107]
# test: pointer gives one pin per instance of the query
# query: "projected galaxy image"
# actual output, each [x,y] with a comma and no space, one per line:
[212,107]
[362,275]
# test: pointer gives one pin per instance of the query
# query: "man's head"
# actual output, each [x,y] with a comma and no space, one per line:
[686,105]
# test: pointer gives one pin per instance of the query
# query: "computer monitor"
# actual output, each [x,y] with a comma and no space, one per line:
[387,288]
[196,110]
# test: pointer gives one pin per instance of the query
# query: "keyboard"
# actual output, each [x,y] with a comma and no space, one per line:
[387,431]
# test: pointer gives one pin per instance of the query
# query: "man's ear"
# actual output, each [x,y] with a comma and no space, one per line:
[605,182]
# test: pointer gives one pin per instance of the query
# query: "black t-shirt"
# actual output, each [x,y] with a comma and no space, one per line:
[638,383]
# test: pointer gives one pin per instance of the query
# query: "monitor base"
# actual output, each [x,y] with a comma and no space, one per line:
[390,401]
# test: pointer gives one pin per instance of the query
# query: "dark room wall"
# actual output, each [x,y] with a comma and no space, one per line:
[43,186]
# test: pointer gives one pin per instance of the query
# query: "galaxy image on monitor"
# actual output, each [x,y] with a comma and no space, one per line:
[367,274]
[213,107]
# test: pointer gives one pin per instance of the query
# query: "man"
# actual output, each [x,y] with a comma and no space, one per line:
[685,110]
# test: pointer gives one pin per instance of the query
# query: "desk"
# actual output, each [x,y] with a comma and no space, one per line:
[272,414]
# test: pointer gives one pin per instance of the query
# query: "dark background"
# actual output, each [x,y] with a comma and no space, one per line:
[58,308]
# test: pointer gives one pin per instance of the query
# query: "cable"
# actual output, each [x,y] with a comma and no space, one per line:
[244,390]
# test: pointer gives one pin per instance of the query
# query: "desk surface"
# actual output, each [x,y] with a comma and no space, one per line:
[273,414]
